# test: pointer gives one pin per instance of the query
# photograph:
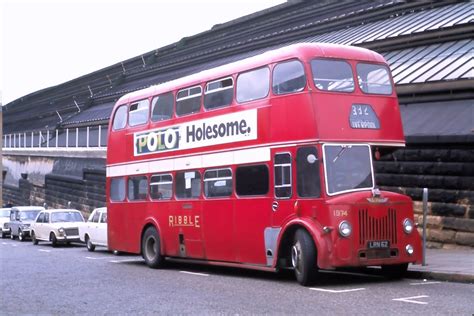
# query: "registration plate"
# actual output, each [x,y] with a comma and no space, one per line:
[378,244]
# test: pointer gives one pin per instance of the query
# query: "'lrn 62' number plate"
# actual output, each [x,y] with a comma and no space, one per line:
[378,244]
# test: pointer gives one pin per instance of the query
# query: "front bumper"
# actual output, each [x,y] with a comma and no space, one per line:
[68,238]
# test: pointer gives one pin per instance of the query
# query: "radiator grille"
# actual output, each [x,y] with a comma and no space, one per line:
[71,231]
[381,228]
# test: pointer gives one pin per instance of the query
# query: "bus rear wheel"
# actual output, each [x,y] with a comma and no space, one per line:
[151,248]
[303,258]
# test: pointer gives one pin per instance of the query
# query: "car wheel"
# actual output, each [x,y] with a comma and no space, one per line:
[303,258]
[395,271]
[21,237]
[90,246]
[33,238]
[151,248]
[3,235]
[53,239]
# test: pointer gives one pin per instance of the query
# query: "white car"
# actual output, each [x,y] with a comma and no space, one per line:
[94,232]
[4,219]
[57,226]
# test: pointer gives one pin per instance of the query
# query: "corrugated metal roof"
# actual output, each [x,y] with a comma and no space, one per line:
[446,61]
[95,113]
[407,24]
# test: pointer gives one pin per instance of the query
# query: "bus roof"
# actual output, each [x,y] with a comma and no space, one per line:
[304,51]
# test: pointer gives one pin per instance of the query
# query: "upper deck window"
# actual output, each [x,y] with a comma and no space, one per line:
[219,93]
[374,79]
[120,118]
[138,113]
[288,77]
[332,75]
[162,107]
[253,85]
[188,100]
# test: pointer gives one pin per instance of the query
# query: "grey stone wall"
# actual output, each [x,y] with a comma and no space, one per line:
[447,170]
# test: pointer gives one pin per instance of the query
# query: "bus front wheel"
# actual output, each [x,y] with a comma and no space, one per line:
[303,258]
[151,248]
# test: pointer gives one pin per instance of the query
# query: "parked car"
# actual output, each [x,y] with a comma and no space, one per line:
[57,226]
[4,219]
[21,218]
[94,232]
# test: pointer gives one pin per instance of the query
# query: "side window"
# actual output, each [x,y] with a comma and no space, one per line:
[188,100]
[332,75]
[218,183]
[117,189]
[12,216]
[138,113]
[162,107]
[103,219]
[288,77]
[282,166]
[251,180]
[120,118]
[253,85]
[40,218]
[95,218]
[46,217]
[188,184]
[219,93]
[161,187]
[307,172]
[137,188]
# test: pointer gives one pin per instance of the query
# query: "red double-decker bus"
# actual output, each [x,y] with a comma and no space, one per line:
[265,163]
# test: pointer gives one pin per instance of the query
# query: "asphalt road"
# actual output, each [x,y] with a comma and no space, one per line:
[70,280]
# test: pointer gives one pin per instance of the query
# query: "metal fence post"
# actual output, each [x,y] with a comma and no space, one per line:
[32,136]
[67,137]
[100,134]
[40,136]
[47,138]
[425,213]
[77,137]
[57,135]
[24,140]
[87,137]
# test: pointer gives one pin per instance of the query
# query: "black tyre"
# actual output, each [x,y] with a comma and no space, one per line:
[395,271]
[53,239]
[33,238]
[21,237]
[90,246]
[303,258]
[3,235]
[151,248]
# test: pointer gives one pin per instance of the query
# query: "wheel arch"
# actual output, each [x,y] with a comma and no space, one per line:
[152,222]
[286,236]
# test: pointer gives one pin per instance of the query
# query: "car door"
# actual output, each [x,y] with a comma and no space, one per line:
[93,227]
[38,226]
[102,229]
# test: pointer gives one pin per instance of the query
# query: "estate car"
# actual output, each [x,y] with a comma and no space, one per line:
[57,226]
[94,232]
[21,218]
[4,219]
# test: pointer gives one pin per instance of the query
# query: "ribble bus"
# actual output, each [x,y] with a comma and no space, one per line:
[264,163]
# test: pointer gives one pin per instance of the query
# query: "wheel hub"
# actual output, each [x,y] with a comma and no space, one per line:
[295,256]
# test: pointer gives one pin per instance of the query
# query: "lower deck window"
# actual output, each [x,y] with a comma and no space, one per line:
[117,189]
[137,188]
[188,184]
[251,180]
[218,183]
[161,187]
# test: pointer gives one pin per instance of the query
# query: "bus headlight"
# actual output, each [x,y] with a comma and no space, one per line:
[407,226]
[345,229]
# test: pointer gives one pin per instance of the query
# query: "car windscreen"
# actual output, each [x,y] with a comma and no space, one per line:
[4,213]
[28,215]
[66,217]
[348,168]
